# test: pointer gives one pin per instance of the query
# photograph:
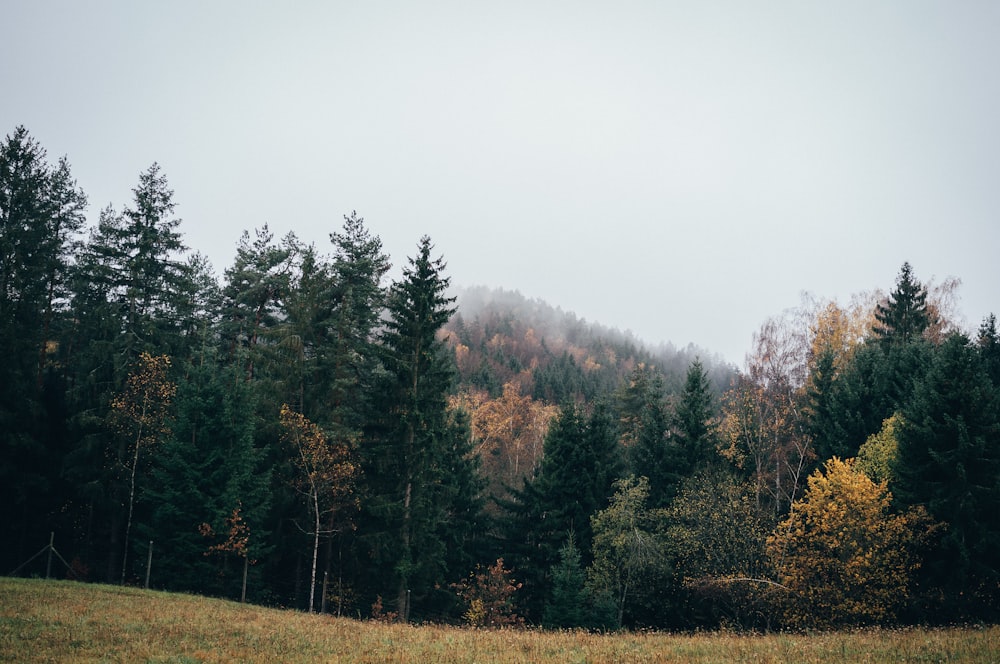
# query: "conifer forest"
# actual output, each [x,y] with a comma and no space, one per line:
[303,431]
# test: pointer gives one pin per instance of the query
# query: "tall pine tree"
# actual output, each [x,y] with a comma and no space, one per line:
[949,461]
[693,418]
[409,461]
[41,211]
[904,317]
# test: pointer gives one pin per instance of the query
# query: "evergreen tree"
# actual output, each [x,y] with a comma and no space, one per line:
[904,317]
[466,522]
[256,288]
[41,210]
[409,452]
[567,606]
[644,427]
[641,392]
[988,342]
[209,468]
[580,462]
[358,267]
[844,410]
[822,416]
[131,290]
[656,456]
[693,417]
[154,279]
[948,460]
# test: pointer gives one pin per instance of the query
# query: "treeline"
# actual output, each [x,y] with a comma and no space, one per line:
[304,434]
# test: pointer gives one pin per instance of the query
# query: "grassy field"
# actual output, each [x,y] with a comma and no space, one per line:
[60,621]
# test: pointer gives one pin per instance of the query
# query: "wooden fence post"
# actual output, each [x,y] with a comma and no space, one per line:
[48,565]
[149,563]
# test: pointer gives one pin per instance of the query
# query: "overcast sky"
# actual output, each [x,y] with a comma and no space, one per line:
[680,170]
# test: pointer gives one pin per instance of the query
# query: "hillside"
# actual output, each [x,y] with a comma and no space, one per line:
[501,336]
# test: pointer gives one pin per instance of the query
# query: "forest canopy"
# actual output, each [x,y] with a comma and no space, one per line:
[305,432]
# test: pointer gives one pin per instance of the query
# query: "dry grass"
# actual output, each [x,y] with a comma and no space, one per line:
[57,621]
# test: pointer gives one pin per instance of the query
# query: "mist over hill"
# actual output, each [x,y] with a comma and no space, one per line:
[502,336]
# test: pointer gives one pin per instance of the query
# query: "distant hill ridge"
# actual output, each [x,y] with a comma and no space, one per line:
[501,336]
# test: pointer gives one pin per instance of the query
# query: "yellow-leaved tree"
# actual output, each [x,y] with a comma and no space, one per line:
[141,415]
[877,456]
[844,558]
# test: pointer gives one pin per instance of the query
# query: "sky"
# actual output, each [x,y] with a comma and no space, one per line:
[680,170]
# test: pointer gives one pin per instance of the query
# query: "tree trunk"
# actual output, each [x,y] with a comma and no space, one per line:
[131,489]
[312,578]
[402,600]
[246,565]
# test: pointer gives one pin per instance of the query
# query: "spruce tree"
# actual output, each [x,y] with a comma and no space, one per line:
[988,343]
[567,607]
[693,418]
[655,456]
[209,468]
[41,211]
[948,460]
[130,292]
[408,453]
[904,317]
[257,285]
[580,462]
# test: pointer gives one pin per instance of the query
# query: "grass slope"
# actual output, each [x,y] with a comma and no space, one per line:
[61,621]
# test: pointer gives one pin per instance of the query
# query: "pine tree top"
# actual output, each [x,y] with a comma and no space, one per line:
[904,317]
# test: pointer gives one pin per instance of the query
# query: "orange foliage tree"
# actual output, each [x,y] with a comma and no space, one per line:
[508,433]
[328,476]
[489,597]
[237,541]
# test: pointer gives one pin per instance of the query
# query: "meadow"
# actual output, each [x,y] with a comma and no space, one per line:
[62,621]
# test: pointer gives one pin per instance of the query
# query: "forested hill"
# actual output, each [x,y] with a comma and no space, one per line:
[501,337]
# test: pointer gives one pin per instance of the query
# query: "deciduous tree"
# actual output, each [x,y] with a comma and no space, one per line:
[140,416]
[716,534]
[327,479]
[629,557]
[843,555]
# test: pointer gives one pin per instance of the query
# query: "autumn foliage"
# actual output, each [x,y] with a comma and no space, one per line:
[842,556]
[488,595]
[508,433]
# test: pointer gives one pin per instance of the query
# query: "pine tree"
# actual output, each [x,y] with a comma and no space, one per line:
[904,317]
[567,606]
[580,462]
[41,211]
[988,343]
[693,417]
[949,461]
[407,456]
